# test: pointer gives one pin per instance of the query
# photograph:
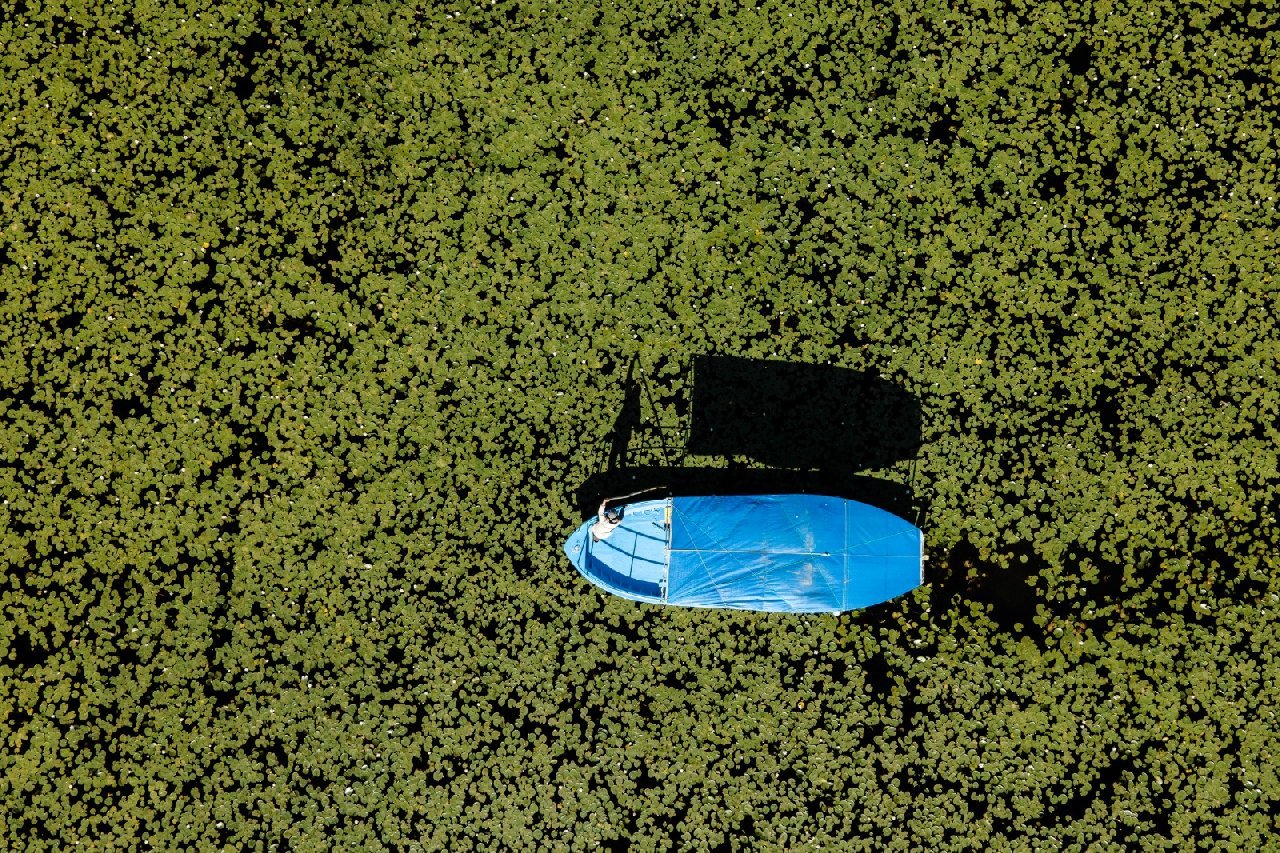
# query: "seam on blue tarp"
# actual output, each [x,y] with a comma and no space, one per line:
[689,523]
[844,591]
[665,584]
[920,553]
[897,534]
[751,551]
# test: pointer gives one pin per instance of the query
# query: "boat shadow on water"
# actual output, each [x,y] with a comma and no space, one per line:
[766,427]
[802,417]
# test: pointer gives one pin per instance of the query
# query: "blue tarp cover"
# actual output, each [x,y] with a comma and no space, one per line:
[791,553]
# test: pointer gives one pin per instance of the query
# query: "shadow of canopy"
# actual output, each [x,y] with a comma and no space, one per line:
[800,416]
[813,427]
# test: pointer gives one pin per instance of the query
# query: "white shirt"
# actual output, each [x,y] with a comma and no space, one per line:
[603,527]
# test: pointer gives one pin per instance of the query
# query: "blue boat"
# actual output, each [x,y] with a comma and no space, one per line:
[782,553]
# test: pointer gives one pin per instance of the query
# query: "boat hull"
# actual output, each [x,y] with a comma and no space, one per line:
[775,553]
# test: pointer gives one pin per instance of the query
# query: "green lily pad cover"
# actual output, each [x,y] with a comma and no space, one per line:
[314,317]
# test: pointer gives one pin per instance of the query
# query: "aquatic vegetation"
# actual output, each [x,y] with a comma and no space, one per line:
[314,319]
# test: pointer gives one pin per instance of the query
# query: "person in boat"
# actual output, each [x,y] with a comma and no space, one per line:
[607,521]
